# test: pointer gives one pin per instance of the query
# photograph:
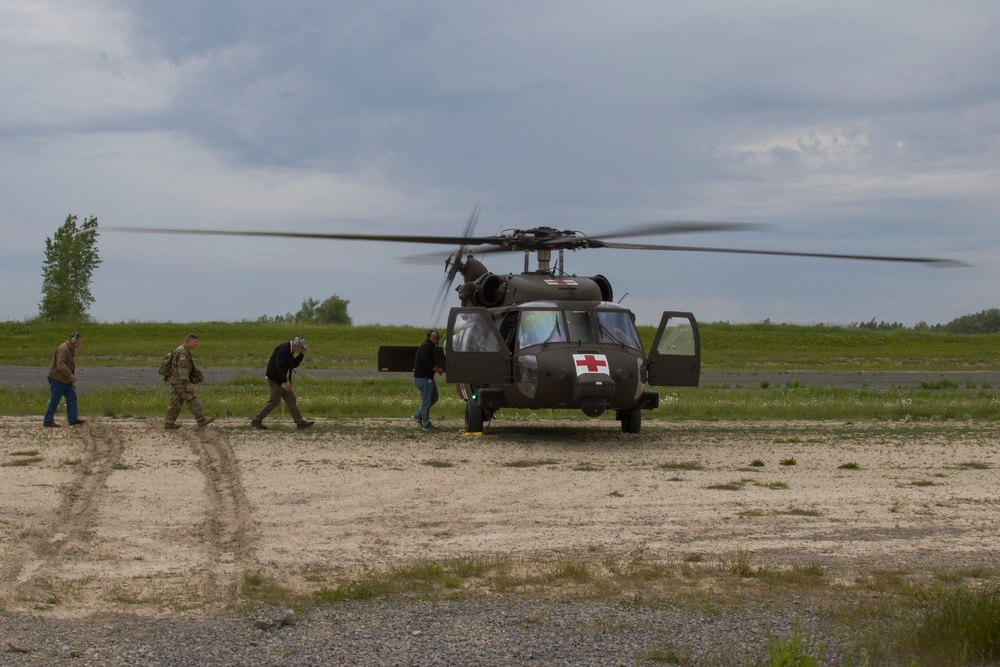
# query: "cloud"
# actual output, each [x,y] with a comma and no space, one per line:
[852,126]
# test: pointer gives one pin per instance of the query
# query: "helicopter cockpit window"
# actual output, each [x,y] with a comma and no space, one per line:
[540,326]
[580,325]
[617,327]
[473,333]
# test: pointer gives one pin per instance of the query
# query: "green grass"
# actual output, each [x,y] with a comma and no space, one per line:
[724,347]
[761,346]
[221,344]
[395,397]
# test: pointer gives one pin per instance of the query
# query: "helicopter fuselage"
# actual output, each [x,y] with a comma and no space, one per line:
[539,341]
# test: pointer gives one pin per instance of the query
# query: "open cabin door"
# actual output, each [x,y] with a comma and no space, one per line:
[675,359]
[400,358]
[475,353]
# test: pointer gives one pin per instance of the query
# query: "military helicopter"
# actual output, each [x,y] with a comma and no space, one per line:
[544,338]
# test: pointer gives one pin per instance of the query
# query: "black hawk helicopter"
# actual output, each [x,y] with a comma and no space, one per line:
[544,338]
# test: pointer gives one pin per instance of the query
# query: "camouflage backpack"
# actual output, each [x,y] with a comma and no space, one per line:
[166,367]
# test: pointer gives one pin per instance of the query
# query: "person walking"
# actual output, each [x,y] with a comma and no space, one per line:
[182,376]
[284,360]
[62,379]
[424,371]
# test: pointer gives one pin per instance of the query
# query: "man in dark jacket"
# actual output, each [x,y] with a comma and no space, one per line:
[62,376]
[285,358]
[424,371]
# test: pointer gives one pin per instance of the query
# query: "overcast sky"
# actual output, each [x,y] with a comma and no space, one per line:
[850,126]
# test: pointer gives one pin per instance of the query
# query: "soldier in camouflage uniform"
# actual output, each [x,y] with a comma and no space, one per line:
[182,386]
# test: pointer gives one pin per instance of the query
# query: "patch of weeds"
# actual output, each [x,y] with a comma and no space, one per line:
[796,651]
[680,465]
[888,581]
[800,575]
[974,465]
[30,452]
[850,465]
[574,570]
[438,463]
[121,466]
[955,575]
[959,627]
[257,588]
[757,463]
[923,482]
[740,562]
[764,384]
[666,654]
[530,463]
[799,511]
[941,383]
[735,485]
[367,588]
[69,462]
[22,462]
[470,566]
[587,467]
[739,485]
[616,494]
[790,461]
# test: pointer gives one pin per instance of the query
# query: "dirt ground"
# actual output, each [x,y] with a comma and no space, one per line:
[120,515]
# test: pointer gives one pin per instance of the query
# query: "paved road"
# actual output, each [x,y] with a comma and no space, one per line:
[34,376]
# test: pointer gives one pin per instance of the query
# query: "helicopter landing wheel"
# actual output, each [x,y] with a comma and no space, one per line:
[632,421]
[474,417]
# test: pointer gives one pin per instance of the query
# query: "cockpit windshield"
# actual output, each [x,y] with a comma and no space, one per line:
[540,326]
[535,327]
[616,326]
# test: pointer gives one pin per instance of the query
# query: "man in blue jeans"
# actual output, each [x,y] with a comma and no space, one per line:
[424,371]
[62,376]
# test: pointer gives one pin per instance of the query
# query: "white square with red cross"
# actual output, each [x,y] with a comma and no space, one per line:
[591,363]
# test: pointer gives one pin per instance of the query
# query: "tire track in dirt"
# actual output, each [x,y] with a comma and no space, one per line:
[76,515]
[228,529]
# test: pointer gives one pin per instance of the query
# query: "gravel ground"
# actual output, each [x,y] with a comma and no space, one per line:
[505,631]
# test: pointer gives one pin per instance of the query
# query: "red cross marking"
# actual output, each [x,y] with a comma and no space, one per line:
[591,362]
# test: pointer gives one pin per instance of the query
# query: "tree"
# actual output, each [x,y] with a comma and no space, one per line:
[70,259]
[331,311]
[984,322]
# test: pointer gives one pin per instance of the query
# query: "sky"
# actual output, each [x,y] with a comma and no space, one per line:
[848,127]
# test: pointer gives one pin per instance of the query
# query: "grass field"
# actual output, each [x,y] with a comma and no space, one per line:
[724,347]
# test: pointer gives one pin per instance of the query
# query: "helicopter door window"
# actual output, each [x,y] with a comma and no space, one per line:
[617,327]
[677,338]
[581,327]
[472,333]
[540,326]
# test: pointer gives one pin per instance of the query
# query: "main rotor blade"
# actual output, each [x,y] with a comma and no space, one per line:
[394,238]
[680,227]
[930,261]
